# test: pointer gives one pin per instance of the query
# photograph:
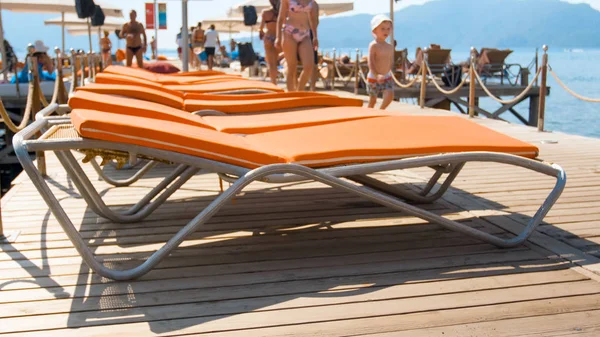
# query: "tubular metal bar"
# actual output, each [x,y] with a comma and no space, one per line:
[257,174]
[126,182]
[421,197]
[291,172]
[140,210]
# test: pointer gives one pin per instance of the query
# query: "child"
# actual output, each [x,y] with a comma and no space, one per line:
[381,54]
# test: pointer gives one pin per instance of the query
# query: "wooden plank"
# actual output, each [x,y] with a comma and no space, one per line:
[435,309]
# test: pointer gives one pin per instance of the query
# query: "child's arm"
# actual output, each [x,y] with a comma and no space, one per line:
[371,60]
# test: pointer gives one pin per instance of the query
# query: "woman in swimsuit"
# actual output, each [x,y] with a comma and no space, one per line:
[105,47]
[300,18]
[132,32]
[269,20]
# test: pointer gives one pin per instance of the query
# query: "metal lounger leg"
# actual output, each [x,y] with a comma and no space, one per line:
[262,172]
[126,182]
[137,212]
[421,197]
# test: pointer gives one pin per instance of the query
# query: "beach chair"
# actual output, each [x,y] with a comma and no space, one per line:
[438,59]
[96,95]
[334,154]
[492,62]
[227,85]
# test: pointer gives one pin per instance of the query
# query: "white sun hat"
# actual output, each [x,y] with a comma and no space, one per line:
[379,19]
[39,46]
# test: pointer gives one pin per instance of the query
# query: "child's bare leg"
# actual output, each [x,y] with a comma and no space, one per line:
[388,97]
[372,101]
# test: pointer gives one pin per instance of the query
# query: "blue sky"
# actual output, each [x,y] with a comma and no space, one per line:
[199,10]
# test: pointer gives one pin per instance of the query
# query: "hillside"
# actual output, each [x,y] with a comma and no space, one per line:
[451,23]
[463,23]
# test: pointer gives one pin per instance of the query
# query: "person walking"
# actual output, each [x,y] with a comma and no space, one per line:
[211,42]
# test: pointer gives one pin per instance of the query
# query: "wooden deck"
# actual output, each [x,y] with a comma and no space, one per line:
[304,259]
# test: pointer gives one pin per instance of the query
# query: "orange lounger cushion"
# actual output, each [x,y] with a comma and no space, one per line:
[161,96]
[165,78]
[106,78]
[132,107]
[233,97]
[175,80]
[171,136]
[270,104]
[366,140]
[245,124]
[251,124]
[387,138]
[226,86]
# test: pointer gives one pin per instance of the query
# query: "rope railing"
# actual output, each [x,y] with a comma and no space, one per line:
[567,89]
[407,85]
[8,121]
[347,79]
[514,99]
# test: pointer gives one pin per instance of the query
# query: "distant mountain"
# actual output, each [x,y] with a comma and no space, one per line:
[464,23]
[451,23]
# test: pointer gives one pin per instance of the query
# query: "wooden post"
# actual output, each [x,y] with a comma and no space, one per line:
[472,83]
[536,64]
[423,78]
[82,63]
[356,75]
[404,58]
[542,106]
[74,77]
[333,71]
[61,93]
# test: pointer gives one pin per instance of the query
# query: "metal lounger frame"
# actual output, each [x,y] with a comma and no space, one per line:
[372,189]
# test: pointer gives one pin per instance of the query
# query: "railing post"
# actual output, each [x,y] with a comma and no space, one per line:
[333,70]
[82,63]
[404,58]
[542,106]
[356,75]
[423,78]
[472,83]
[536,64]
[61,93]
[74,77]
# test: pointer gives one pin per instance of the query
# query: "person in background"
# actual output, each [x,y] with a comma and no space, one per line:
[300,18]
[133,31]
[381,54]
[179,41]
[211,42]
[197,44]
[232,44]
[153,47]
[105,49]
[269,21]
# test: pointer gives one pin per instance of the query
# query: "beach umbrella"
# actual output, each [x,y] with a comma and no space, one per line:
[228,24]
[71,20]
[49,6]
[326,7]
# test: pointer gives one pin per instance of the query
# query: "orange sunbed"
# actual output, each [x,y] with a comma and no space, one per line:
[358,141]
[237,103]
[225,85]
[231,124]
[167,78]
[331,154]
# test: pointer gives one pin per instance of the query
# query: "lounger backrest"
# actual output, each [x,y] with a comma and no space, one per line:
[162,96]
[82,99]
[108,78]
[268,104]
[132,72]
[170,136]
[496,58]
[226,97]
[437,59]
